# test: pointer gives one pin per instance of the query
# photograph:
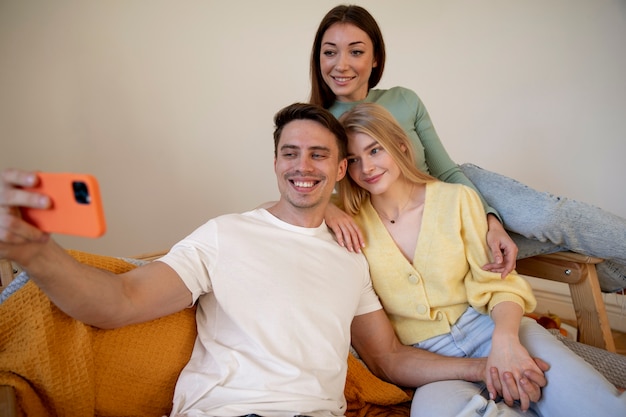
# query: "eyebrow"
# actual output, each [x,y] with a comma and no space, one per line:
[318,147]
[350,44]
[368,147]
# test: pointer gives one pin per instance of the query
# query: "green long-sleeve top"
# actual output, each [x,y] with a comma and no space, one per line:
[430,155]
[425,297]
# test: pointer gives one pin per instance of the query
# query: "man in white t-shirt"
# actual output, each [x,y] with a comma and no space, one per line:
[278,300]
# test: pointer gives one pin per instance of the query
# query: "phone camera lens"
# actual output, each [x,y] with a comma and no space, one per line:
[81,193]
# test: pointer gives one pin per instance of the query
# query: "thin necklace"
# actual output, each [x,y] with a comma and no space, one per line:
[393,221]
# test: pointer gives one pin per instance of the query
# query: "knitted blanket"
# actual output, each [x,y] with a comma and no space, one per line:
[62,367]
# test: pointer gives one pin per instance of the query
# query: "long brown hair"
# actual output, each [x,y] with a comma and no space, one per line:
[321,94]
[378,123]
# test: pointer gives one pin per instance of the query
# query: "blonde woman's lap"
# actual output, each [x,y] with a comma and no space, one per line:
[459,399]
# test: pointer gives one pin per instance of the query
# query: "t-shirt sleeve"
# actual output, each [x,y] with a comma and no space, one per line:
[369,301]
[194,257]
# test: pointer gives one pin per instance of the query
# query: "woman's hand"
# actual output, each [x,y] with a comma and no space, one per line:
[530,383]
[509,356]
[345,229]
[503,249]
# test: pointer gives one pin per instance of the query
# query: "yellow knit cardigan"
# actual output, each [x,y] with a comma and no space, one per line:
[423,298]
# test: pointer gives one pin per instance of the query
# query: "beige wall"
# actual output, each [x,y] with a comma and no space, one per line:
[170,103]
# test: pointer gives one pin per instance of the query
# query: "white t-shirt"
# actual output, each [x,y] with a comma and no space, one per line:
[275,304]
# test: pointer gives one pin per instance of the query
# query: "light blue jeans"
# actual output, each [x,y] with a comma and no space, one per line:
[543,223]
[574,387]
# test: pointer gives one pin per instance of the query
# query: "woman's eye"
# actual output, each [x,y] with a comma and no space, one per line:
[357,52]
[351,161]
[328,53]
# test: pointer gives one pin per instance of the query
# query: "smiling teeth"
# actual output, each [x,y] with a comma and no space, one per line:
[303,184]
[341,79]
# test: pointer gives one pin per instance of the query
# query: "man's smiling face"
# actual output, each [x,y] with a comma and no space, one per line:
[307,164]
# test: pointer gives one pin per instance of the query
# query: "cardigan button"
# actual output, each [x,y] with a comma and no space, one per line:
[413,279]
[422,309]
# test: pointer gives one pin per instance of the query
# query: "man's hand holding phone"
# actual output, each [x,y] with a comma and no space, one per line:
[75,205]
[65,203]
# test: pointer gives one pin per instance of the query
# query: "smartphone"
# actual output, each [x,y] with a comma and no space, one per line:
[76,206]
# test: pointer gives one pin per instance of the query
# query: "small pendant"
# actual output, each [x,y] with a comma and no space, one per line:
[392,221]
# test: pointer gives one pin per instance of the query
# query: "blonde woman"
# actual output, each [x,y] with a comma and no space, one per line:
[425,245]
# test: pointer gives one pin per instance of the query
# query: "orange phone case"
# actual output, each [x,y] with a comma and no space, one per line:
[76,205]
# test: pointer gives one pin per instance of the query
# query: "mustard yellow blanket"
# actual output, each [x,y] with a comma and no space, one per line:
[61,367]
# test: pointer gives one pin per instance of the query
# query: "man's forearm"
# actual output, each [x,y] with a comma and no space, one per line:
[414,367]
[420,367]
[83,292]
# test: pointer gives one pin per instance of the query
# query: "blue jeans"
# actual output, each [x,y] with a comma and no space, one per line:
[541,223]
[574,387]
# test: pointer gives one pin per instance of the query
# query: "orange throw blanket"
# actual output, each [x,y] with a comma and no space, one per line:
[60,366]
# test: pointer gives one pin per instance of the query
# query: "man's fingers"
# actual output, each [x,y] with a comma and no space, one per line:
[494,385]
[15,231]
[510,391]
[12,195]
[543,365]
[18,177]
[532,391]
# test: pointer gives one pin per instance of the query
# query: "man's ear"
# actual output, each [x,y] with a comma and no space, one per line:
[342,169]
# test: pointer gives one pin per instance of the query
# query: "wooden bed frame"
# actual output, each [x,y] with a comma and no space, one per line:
[579,272]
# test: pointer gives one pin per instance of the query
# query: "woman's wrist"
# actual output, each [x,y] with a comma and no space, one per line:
[492,220]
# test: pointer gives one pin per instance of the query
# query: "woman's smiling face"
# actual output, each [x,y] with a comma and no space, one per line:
[369,164]
[346,61]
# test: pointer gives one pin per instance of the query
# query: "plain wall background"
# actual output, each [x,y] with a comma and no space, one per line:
[170,103]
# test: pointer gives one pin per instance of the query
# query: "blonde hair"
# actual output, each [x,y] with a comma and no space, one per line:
[378,123]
